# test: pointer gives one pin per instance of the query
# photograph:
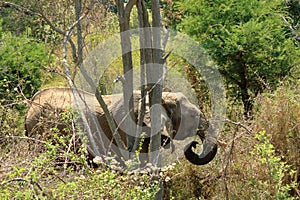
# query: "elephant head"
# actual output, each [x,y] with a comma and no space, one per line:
[187,120]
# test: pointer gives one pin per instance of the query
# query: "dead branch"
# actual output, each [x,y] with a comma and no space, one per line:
[22,137]
[292,29]
[240,125]
[98,95]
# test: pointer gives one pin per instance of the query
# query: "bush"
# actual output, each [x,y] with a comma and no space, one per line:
[272,183]
[279,115]
[55,166]
[21,61]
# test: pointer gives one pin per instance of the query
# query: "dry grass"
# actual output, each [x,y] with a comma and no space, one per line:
[279,115]
[247,167]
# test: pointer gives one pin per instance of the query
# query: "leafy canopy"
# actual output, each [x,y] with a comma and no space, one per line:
[248,40]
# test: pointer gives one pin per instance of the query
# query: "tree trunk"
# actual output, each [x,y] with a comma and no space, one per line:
[151,58]
[78,57]
[246,98]
[154,73]
[124,19]
[142,18]
[78,9]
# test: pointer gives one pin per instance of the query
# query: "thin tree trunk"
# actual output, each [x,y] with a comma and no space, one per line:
[129,121]
[79,56]
[155,94]
[142,108]
[78,8]
[246,98]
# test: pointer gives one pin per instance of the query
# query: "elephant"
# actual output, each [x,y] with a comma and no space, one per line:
[46,107]
[180,119]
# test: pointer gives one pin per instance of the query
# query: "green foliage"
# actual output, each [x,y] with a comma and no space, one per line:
[279,114]
[293,7]
[61,171]
[44,179]
[105,185]
[276,169]
[21,61]
[248,40]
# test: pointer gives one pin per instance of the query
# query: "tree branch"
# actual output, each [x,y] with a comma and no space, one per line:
[22,137]
[241,125]
[124,19]
[52,26]
[294,34]
[129,7]
[31,13]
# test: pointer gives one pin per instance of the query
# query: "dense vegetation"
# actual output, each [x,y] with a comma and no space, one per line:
[255,45]
[249,41]
[22,60]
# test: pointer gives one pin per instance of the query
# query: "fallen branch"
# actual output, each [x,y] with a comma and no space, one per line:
[239,124]
[22,137]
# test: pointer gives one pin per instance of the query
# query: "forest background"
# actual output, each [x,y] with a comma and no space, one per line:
[254,44]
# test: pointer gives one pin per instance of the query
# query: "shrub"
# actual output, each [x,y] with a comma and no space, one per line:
[279,115]
[53,165]
[21,61]
[273,171]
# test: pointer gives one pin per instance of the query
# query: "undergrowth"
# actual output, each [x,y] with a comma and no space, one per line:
[58,168]
[257,159]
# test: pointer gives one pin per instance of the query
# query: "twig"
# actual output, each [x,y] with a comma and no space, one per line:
[31,182]
[72,140]
[12,180]
[62,180]
[228,161]
[23,137]
[241,125]
[294,34]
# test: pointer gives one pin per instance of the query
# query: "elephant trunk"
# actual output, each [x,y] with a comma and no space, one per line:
[208,153]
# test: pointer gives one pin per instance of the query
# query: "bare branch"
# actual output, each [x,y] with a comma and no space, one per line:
[52,26]
[22,137]
[241,125]
[294,34]
[129,7]
[97,94]
[27,11]
[13,180]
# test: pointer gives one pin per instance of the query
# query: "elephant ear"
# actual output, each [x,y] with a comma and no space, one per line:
[172,106]
[169,100]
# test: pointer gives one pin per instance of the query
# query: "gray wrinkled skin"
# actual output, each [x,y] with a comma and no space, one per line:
[180,118]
